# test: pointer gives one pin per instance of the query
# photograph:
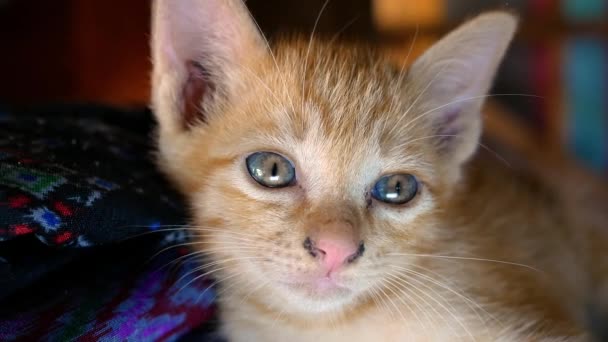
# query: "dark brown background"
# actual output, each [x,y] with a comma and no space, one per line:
[97,50]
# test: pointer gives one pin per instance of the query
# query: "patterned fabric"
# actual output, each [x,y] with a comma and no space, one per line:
[78,180]
[111,295]
[82,255]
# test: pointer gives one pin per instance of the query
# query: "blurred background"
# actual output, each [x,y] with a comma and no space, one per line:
[97,51]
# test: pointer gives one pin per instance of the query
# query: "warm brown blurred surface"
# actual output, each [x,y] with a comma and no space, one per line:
[73,50]
[97,50]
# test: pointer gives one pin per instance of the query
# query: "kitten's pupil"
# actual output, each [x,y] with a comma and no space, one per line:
[275,170]
[398,188]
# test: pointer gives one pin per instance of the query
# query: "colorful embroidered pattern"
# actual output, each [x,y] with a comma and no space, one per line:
[152,306]
[36,183]
[82,177]
[67,176]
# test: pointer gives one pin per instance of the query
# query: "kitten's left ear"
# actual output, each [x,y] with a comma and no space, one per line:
[452,77]
[200,51]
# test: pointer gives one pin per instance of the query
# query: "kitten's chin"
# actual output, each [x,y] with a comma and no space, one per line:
[319,295]
[322,288]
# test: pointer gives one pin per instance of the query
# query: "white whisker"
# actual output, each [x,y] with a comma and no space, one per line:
[418,97]
[414,312]
[219,262]
[446,285]
[312,35]
[433,291]
[464,100]
[390,301]
[465,258]
[274,59]
[341,30]
[402,72]
[395,277]
[458,321]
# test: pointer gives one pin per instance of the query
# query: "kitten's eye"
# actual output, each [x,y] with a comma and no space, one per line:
[271,170]
[395,189]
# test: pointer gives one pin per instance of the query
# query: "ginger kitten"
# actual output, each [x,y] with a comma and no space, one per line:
[340,200]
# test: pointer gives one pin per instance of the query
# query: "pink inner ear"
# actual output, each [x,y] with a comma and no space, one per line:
[195,89]
[450,121]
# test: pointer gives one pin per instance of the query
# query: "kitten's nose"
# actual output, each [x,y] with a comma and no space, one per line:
[333,252]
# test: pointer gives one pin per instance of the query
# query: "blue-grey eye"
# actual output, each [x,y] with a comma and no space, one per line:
[271,169]
[395,189]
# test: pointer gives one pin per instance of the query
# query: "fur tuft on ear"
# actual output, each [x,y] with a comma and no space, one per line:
[199,48]
[453,76]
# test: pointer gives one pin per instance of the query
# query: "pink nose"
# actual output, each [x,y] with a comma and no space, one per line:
[334,252]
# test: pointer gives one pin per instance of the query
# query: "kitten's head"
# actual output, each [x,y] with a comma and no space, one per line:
[311,167]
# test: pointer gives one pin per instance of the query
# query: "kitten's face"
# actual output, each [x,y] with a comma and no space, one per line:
[315,167]
[339,159]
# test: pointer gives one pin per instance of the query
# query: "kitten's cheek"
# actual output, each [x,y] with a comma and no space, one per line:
[403,215]
[284,197]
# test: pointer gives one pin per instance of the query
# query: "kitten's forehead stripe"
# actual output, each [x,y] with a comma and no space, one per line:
[349,90]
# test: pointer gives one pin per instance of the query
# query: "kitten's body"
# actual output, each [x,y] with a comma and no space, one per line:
[479,253]
[497,214]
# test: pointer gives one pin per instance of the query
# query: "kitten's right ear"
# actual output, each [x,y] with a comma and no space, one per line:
[199,49]
[453,77]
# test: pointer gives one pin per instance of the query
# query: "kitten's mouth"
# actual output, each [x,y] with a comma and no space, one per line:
[328,286]
[320,287]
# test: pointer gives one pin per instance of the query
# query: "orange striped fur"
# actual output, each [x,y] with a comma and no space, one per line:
[482,253]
